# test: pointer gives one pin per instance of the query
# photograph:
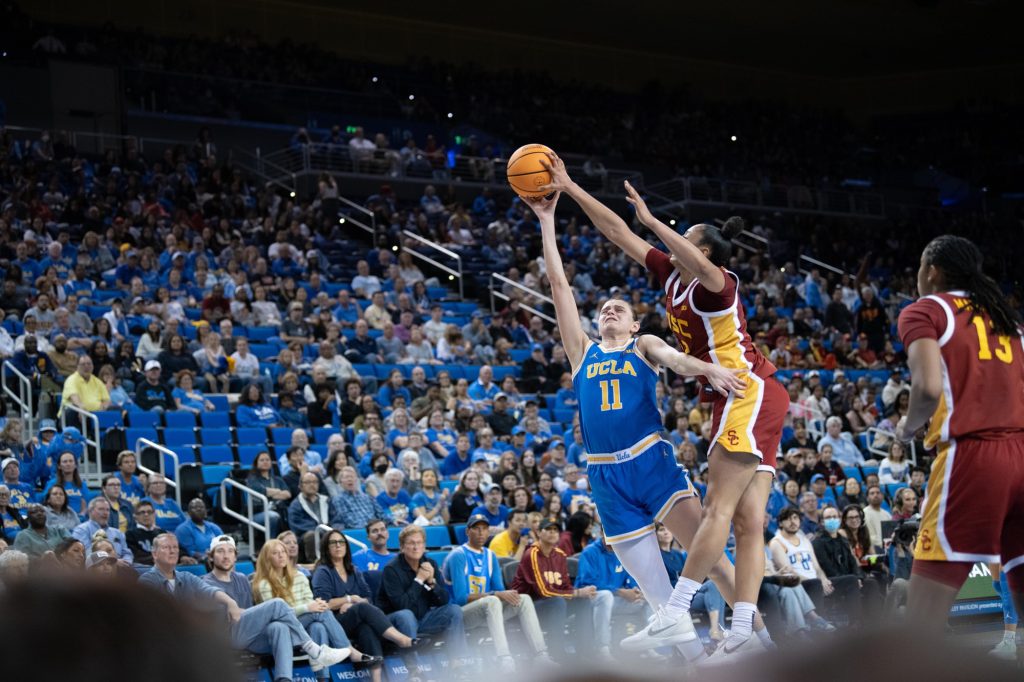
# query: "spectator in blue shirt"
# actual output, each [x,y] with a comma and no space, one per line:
[168,514]
[99,517]
[128,270]
[196,533]
[844,451]
[394,499]
[483,390]
[394,387]
[254,410]
[376,556]
[346,312]
[617,594]
[492,509]
[354,508]
[459,460]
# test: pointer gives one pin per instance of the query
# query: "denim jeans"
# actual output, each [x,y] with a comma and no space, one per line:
[446,619]
[271,628]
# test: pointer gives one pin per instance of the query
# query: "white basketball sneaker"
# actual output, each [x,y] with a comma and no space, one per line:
[662,630]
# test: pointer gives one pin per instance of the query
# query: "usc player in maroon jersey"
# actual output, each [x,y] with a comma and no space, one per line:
[966,357]
[708,320]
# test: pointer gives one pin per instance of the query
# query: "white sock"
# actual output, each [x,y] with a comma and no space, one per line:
[693,650]
[642,560]
[311,648]
[681,597]
[743,619]
[1009,635]
[766,639]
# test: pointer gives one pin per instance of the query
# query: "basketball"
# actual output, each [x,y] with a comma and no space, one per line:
[525,173]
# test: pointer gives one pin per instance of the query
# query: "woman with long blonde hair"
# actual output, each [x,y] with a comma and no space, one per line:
[276,578]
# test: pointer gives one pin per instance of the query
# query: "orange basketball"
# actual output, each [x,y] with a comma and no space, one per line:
[525,174]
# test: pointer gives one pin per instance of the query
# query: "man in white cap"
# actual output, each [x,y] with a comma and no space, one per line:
[271,627]
[22,494]
[152,395]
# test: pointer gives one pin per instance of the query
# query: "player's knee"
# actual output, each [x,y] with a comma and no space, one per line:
[748,520]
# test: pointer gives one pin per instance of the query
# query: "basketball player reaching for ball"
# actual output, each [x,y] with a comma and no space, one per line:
[633,472]
[966,357]
[707,318]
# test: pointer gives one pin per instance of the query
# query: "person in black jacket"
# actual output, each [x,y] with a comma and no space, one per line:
[412,582]
[152,395]
[860,596]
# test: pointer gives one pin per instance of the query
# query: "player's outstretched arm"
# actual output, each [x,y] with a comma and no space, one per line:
[722,379]
[573,339]
[688,255]
[605,220]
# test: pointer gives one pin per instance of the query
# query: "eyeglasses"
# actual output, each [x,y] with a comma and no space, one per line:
[336,543]
[143,511]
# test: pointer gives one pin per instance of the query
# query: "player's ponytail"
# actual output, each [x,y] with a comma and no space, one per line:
[719,239]
[961,263]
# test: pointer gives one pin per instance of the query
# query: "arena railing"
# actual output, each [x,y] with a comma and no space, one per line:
[879,440]
[250,495]
[91,431]
[498,281]
[324,528]
[419,241]
[23,397]
[146,444]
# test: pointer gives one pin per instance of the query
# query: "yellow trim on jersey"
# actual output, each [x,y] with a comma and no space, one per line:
[583,358]
[676,497]
[934,435]
[736,430]
[930,538]
[632,452]
[632,535]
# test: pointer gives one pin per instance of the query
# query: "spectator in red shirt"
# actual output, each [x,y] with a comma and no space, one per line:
[544,575]
[216,306]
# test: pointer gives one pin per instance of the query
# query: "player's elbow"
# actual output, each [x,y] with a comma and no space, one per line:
[929,389]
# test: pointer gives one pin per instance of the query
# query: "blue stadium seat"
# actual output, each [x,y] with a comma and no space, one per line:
[213,474]
[263,350]
[891,488]
[503,371]
[245,567]
[109,419]
[215,454]
[215,419]
[437,536]
[359,535]
[868,470]
[439,557]
[180,419]
[322,433]
[449,485]
[194,569]
[133,434]
[564,416]
[281,435]
[247,453]
[186,454]
[177,437]
[460,533]
[248,435]
[393,538]
[261,334]
[853,472]
[220,403]
[149,419]
[217,436]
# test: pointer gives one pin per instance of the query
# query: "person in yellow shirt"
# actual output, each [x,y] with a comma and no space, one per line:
[514,540]
[84,389]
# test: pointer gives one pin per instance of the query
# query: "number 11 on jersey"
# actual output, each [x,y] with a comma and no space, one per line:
[616,403]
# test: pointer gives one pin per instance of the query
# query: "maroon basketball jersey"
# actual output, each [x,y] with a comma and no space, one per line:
[982,373]
[709,326]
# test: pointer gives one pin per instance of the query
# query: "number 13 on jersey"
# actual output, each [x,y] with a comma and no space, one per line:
[1004,352]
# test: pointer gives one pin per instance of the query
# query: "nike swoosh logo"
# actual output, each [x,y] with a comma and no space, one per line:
[664,629]
[728,651]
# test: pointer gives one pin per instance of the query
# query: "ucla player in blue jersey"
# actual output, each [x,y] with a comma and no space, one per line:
[632,469]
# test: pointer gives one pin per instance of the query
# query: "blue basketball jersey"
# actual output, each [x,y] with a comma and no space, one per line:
[616,393]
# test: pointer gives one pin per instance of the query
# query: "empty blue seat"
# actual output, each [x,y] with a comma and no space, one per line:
[393,538]
[109,419]
[263,350]
[247,453]
[248,435]
[357,534]
[194,569]
[215,454]
[438,557]
[177,437]
[217,436]
[503,371]
[322,433]
[460,533]
[181,419]
[261,334]
[220,403]
[437,536]
[245,567]
[215,419]
[281,435]
[853,472]
[133,434]
[150,419]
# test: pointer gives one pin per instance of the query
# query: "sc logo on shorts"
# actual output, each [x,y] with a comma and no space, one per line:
[731,436]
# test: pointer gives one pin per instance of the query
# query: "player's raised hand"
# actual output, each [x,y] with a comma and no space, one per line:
[560,180]
[544,207]
[726,381]
[643,213]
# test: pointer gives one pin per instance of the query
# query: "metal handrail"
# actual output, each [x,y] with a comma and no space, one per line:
[24,396]
[371,228]
[145,443]
[888,436]
[250,494]
[324,528]
[452,274]
[497,293]
[95,475]
[820,264]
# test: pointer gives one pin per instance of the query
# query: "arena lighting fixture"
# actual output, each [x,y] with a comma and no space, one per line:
[733,138]
[451,278]
[412,97]
[292,195]
[341,221]
[672,222]
[451,115]
[374,79]
[394,248]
